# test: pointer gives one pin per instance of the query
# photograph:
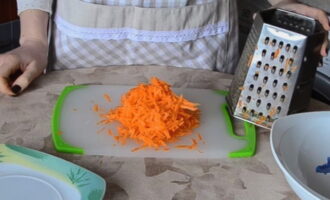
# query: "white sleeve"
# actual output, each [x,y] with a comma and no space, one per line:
[44,5]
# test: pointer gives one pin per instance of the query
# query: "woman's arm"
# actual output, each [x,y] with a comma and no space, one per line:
[30,58]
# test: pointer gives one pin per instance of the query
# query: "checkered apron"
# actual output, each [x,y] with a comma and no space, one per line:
[182,33]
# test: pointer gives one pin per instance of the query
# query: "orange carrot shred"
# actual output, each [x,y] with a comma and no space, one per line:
[200,138]
[96,108]
[101,130]
[107,97]
[153,116]
[110,132]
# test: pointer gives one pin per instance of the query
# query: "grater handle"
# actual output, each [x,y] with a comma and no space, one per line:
[250,136]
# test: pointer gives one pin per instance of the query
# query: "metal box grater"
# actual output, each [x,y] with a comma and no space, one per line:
[275,73]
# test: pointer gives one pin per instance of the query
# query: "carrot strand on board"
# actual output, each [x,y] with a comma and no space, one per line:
[153,116]
[107,97]
[110,132]
[101,130]
[96,108]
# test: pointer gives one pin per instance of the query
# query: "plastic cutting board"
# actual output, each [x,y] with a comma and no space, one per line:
[75,128]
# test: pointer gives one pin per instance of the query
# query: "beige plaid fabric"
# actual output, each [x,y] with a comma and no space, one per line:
[150,3]
[78,53]
[213,52]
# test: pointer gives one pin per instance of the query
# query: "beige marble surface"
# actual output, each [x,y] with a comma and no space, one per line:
[25,120]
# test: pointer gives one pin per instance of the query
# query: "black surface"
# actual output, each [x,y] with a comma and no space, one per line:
[9,35]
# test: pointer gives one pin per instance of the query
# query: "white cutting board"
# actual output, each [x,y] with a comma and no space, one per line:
[78,125]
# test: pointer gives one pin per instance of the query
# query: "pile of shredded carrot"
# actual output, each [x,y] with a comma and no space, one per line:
[154,116]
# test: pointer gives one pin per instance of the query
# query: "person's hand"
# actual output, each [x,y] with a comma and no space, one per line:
[315,13]
[19,67]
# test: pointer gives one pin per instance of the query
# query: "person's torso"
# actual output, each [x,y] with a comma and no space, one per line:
[181,33]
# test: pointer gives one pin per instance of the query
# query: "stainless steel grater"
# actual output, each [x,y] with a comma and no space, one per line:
[275,73]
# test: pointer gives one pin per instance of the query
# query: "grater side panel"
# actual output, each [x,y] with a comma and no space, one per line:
[253,104]
[244,64]
[276,70]
[304,85]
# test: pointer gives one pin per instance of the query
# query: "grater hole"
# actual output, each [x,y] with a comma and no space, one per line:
[279,109]
[266,93]
[264,53]
[268,118]
[281,72]
[244,109]
[282,58]
[261,114]
[252,112]
[273,42]
[280,45]
[266,67]
[290,61]
[259,64]
[248,99]
[259,90]
[265,79]
[268,106]
[258,102]
[282,98]
[255,77]
[273,69]
[275,83]
[287,48]
[251,87]
[274,95]
[266,40]
[288,74]
[295,49]
[285,86]
[272,56]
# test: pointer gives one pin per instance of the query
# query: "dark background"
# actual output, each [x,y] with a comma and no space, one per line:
[9,25]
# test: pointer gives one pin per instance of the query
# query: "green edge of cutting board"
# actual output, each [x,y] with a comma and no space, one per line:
[62,146]
[59,143]
[250,133]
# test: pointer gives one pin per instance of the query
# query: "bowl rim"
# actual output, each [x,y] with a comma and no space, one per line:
[285,170]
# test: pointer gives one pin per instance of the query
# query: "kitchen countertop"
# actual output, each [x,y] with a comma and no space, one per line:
[25,120]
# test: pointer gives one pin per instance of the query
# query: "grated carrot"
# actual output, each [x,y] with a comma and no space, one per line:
[110,132]
[101,130]
[96,108]
[200,138]
[193,146]
[107,97]
[153,116]
[277,53]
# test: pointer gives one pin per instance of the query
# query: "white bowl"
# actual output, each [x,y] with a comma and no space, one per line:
[300,143]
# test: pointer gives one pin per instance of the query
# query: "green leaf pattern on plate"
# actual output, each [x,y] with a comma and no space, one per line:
[78,177]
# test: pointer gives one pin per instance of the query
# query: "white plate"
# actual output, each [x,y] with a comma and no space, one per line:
[299,144]
[31,175]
